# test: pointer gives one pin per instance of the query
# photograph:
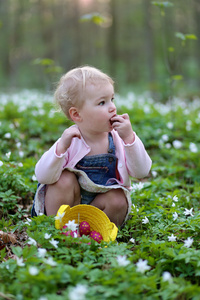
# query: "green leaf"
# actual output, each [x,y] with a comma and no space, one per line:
[43,61]
[96,18]
[191,37]
[17,251]
[162,4]
[171,49]
[177,77]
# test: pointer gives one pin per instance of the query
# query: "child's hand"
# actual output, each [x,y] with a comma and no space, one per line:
[66,139]
[122,124]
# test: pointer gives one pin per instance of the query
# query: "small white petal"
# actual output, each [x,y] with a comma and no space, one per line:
[47,236]
[54,243]
[32,242]
[132,240]
[33,271]
[42,252]
[20,262]
[122,261]
[172,238]
[166,276]
[188,243]
[142,266]
[145,220]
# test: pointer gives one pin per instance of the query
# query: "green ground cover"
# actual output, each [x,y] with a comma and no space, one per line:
[156,254]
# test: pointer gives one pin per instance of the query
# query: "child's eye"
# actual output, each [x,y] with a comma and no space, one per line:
[101,103]
[112,99]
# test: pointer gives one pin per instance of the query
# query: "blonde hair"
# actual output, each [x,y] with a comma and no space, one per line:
[71,87]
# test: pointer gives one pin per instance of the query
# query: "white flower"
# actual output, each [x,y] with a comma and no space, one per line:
[173,204]
[137,186]
[175,198]
[32,242]
[34,178]
[177,144]
[21,154]
[188,242]
[54,243]
[78,292]
[20,262]
[72,225]
[193,148]
[132,240]
[47,236]
[75,234]
[172,238]
[170,125]
[133,206]
[122,261]
[175,216]
[33,271]
[168,145]
[165,137]
[188,125]
[43,298]
[7,135]
[8,154]
[188,212]
[20,164]
[41,252]
[1,163]
[166,276]
[60,216]
[142,266]
[145,220]
[28,221]
[18,145]
[50,262]
[154,173]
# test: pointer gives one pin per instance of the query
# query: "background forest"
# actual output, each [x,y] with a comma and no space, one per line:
[151,49]
[143,44]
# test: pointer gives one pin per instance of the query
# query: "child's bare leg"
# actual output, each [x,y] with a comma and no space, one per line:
[114,204]
[65,191]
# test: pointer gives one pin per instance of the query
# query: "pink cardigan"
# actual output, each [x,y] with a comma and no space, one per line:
[133,160]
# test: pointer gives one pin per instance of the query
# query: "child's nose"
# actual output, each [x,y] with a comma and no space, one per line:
[112,107]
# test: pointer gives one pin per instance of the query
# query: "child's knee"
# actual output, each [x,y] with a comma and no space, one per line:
[67,180]
[118,199]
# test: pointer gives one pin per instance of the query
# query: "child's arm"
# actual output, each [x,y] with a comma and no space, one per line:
[138,161]
[50,166]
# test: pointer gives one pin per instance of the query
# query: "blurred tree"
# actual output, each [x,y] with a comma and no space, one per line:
[112,45]
[197,21]
[149,45]
[127,42]
[5,38]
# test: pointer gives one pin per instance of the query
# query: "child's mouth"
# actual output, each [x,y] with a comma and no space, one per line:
[111,122]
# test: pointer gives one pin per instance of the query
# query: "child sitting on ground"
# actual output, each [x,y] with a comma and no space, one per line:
[91,163]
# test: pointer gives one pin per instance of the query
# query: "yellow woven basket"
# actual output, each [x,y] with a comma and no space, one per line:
[97,219]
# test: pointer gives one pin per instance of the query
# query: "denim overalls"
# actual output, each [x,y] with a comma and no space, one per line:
[99,168]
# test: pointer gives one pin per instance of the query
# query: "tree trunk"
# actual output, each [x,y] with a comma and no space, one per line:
[149,41]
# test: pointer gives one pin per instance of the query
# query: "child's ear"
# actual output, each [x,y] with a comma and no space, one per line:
[74,114]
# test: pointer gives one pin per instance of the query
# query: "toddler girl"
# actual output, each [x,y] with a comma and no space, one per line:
[91,163]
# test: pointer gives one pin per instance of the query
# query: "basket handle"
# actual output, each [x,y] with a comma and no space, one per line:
[113,232]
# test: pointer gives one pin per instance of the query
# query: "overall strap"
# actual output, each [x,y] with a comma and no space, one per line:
[111,148]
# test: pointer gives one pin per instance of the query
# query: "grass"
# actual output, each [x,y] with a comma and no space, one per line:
[156,254]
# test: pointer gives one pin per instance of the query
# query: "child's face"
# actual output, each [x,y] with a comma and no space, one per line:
[98,108]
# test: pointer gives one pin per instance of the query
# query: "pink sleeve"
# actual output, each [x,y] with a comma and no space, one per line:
[137,159]
[50,166]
